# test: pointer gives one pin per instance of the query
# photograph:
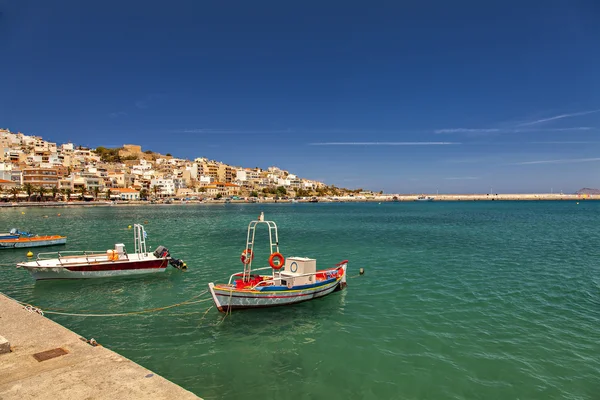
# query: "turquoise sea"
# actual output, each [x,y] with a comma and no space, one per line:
[478,300]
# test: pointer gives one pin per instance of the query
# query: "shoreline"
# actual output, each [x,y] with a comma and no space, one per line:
[332,199]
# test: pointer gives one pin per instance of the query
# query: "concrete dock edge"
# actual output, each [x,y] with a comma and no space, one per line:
[67,367]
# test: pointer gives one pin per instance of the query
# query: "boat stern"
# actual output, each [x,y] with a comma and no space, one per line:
[343,266]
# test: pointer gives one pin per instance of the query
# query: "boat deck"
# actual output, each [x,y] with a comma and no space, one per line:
[79,259]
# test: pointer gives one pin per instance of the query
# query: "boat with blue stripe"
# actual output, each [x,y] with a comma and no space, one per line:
[16,239]
[291,280]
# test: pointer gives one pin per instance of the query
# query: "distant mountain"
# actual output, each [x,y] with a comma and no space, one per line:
[588,191]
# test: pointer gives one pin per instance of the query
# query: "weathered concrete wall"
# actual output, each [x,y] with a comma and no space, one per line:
[84,372]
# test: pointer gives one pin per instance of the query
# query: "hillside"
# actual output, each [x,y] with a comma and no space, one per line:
[588,191]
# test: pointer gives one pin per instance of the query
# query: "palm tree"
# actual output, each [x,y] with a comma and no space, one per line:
[68,192]
[155,190]
[54,192]
[108,194]
[15,192]
[28,187]
[143,194]
[41,191]
[82,192]
[96,190]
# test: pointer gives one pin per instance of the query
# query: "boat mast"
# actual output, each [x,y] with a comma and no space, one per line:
[139,239]
[273,242]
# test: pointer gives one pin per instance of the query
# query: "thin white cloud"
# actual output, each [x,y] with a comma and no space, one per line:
[383,143]
[561,116]
[466,130]
[233,131]
[577,128]
[563,161]
[117,114]
[462,178]
[565,142]
[485,131]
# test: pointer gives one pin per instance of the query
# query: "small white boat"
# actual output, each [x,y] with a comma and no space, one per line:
[98,264]
[292,280]
[16,239]
[425,198]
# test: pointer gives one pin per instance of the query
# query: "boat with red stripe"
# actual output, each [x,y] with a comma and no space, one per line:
[102,264]
[292,280]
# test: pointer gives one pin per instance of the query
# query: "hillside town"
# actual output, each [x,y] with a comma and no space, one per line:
[33,168]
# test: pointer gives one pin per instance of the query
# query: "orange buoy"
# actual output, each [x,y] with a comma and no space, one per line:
[247,256]
[280,260]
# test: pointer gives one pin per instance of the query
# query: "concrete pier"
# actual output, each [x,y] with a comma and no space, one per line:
[48,361]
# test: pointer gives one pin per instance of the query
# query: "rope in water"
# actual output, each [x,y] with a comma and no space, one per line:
[228,311]
[127,313]
[31,308]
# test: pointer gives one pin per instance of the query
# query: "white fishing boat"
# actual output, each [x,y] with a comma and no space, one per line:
[292,280]
[101,264]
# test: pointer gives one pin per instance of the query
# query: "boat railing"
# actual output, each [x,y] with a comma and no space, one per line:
[66,255]
[279,277]
[241,273]
[266,283]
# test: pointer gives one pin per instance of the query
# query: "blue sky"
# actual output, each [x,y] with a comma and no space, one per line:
[462,96]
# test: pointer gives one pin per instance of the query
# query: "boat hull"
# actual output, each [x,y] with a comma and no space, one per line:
[228,298]
[40,241]
[101,269]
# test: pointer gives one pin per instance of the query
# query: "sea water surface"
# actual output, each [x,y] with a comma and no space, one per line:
[487,300]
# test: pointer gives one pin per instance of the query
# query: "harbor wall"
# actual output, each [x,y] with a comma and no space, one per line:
[48,361]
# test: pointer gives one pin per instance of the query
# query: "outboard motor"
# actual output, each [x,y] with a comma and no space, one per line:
[162,252]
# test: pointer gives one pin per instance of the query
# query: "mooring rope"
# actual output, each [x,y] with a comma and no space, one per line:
[33,309]
[228,311]
[38,310]
[157,309]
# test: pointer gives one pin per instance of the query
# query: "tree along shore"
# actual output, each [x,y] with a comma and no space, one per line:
[328,199]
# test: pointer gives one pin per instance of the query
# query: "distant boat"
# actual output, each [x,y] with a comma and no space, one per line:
[424,198]
[16,239]
[313,200]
